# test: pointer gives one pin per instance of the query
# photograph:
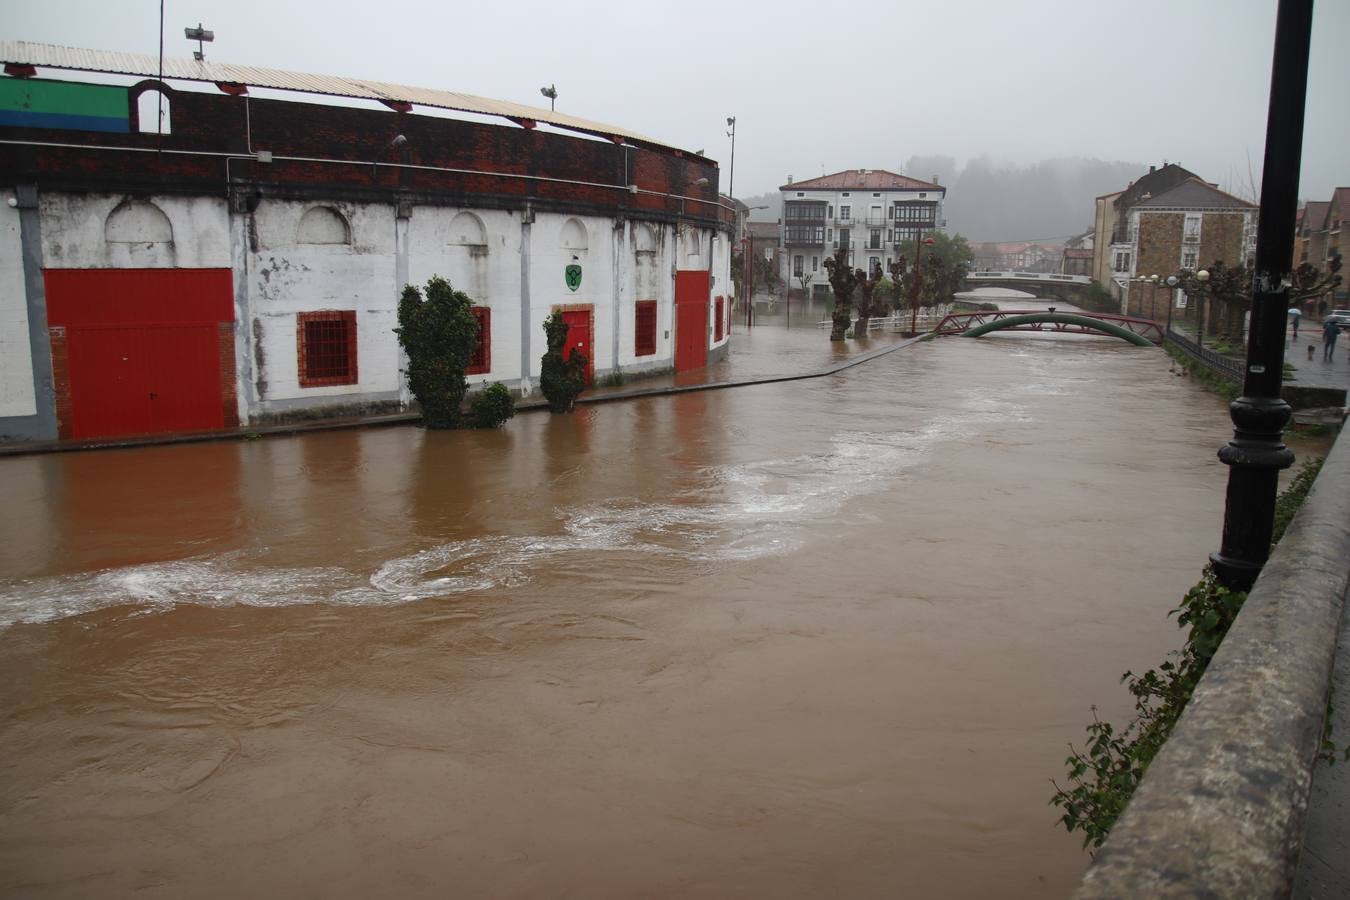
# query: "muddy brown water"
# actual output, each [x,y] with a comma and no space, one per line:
[822,638]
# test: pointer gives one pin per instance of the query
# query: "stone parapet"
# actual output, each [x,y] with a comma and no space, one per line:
[1221,811]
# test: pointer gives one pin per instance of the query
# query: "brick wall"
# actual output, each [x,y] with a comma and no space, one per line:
[1159,243]
[1221,239]
[360,140]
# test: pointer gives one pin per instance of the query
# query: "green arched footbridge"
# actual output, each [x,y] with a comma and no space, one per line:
[1143,332]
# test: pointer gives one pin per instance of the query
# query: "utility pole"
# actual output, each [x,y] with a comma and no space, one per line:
[1256,454]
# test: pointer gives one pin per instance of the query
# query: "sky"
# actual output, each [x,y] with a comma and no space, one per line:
[813,88]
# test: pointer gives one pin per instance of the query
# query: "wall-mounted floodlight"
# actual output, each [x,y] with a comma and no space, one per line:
[200,35]
[551,92]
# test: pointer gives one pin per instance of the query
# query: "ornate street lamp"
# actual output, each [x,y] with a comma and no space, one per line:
[1202,277]
[1257,453]
[1172,282]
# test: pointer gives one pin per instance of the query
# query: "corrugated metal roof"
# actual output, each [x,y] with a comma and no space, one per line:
[57,57]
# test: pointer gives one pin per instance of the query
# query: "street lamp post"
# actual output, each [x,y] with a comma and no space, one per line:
[1256,454]
[919,240]
[1172,282]
[731,175]
[1203,278]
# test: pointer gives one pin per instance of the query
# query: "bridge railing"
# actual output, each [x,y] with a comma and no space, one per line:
[1215,362]
[1222,809]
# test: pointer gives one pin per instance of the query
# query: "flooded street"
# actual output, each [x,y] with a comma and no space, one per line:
[826,637]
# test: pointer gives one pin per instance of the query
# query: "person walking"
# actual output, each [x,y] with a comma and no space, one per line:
[1330,329]
[1295,315]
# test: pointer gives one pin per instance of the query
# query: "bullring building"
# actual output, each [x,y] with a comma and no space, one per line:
[199,258]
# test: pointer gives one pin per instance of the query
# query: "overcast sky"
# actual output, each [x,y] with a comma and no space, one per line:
[814,88]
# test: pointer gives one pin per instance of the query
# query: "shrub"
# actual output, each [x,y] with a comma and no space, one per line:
[438,335]
[560,379]
[492,406]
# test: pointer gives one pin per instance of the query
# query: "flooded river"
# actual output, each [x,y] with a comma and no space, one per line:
[820,638]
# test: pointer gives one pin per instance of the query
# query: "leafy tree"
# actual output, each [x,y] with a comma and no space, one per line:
[560,379]
[954,250]
[438,334]
[842,280]
[945,264]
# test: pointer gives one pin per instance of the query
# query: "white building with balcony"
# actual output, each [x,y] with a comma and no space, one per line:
[872,212]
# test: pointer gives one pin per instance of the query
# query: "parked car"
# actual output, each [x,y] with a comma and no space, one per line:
[1341,317]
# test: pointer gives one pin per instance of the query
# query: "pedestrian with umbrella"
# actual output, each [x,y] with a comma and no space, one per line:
[1295,314]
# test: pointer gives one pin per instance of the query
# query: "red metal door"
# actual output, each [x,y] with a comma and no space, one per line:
[178,380]
[579,338]
[107,367]
[143,350]
[691,320]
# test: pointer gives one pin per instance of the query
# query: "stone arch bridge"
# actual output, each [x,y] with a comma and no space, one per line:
[1068,288]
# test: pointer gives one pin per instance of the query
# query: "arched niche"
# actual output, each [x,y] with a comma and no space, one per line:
[152,112]
[466,230]
[644,238]
[574,236]
[323,225]
[135,221]
[692,242]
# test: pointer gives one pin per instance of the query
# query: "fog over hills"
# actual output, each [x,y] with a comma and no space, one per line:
[987,200]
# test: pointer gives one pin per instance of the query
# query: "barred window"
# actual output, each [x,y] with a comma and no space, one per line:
[326,347]
[644,328]
[481,361]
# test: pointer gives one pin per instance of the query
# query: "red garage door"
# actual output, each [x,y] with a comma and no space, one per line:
[145,351]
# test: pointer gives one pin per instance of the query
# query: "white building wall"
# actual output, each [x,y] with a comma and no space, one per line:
[478,252]
[286,277]
[74,234]
[17,396]
[557,241]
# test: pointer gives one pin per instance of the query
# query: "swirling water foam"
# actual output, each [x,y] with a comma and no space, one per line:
[740,511]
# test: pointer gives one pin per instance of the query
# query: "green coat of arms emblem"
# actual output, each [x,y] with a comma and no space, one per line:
[572,275]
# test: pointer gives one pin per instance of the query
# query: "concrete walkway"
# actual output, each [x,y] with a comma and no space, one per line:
[1317,372]
[759,355]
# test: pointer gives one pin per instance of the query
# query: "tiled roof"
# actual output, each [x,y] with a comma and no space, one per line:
[762,230]
[863,180]
[1075,253]
[1157,181]
[1339,208]
[1315,215]
[1194,193]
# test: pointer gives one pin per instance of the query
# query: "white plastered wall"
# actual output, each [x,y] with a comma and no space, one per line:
[17,397]
[553,247]
[286,277]
[74,235]
[478,252]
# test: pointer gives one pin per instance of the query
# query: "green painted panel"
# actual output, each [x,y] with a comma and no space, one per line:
[33,95]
